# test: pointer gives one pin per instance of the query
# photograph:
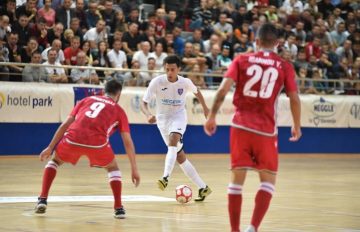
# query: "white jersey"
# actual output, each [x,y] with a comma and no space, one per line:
[170,96]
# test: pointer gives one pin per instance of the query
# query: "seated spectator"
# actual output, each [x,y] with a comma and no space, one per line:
[22,29]
[4,57]
[4,26]
[83,75]
[338,36]
[60,57]
[223,28]
[346,51]
[92,14]
[214,39]
[146,77]
[223,58]
[28,9]
[196,37]
[47,13]
[131,39]
[171,20]
[71,52]
[313,48]
[142,56]
[160,24]
[75,27]
[85,47]
[26,52]
[55,74]
[317,86]
[243,46]
[56,33]
[108,14]
[39,31]
[120,23]
[68,35]
[149,36]
[188,60]
[178,41]
[133,77]
[300,61]
[118,60]
[159,55]
[96,34]
[65,13]
[197,79]
[10,11]
[14,56]
[101,60]
[301,75]
[80,14]
[32,73]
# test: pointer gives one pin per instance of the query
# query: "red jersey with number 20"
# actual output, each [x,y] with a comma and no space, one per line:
[259,79]
[96,118]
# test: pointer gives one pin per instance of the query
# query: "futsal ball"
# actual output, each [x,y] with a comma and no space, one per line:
[183,194]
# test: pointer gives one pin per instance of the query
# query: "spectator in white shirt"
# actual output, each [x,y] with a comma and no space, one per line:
[83,75]
[96,34]
[118,60]
[159,55]
[55,74]
[142,55]
[56,44]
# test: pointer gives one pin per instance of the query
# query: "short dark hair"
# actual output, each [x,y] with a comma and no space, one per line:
[112,87]
[268,34]
[172,59]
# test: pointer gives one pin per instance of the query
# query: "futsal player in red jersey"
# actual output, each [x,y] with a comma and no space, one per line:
[259,78]
[86,132]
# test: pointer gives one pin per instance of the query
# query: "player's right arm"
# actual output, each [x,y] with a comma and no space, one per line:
[130,151]
[210,124]
[46,153]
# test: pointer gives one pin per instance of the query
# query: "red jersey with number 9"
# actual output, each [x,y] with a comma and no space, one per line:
[259,79]
[96,118]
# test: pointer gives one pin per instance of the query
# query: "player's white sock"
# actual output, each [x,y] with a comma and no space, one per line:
[191,172]
[170,161]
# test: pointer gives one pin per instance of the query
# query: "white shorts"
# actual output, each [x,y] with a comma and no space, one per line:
[175,123]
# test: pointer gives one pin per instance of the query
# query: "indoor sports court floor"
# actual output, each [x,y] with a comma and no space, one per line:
[315,193]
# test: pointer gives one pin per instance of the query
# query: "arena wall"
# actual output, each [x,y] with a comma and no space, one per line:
[30,114]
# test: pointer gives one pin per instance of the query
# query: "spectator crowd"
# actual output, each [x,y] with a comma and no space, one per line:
[321,39]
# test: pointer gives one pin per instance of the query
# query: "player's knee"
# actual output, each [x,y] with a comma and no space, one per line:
[114,176]
[52,164]
[267,187]
[181,157]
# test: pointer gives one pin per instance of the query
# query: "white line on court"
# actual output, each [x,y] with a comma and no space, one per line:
[126,198]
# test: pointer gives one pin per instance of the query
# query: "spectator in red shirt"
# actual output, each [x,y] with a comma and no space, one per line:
[313,48]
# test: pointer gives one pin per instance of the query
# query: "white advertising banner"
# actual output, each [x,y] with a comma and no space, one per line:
[354,111]
[37,103]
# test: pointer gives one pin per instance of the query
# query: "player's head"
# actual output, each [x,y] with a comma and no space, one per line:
[172,66]
[113,89]
[267,36]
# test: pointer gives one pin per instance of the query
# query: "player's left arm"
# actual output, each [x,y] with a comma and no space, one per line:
[201,99]
[130,151]
[46,153]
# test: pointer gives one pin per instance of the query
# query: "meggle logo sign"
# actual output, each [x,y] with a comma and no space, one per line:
[27,101]
[323,108]
[2,100]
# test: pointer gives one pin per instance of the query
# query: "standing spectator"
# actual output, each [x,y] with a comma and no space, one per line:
[64,14]
[253,138]
[32,73]
[92,14]
[71,52]
[171,120]
[86,132]
[96,34]
[84,74]
[47,13]
[55,74]
[60,57]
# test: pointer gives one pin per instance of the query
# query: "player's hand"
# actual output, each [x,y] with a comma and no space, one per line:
[210,126]
[45,154]
[151,118]
[295,134]
[135,177]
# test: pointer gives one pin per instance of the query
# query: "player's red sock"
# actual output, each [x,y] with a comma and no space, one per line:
[262,202]
[48,177]
[234,206]
[115,183]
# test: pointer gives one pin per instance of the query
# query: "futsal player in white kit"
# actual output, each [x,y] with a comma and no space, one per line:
[170,92]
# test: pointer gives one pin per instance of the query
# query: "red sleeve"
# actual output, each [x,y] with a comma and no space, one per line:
[67,53]
[233,70]
[290,81]
[123,121]
[77,108]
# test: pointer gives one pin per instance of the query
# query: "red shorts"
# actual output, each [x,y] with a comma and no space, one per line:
[251,150]
[71,153]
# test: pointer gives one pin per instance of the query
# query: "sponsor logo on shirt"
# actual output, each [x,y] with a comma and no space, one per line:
[171,102]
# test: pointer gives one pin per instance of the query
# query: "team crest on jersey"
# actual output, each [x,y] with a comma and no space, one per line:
[180,91]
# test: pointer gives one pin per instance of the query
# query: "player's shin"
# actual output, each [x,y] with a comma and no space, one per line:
[115,184]
[262,202]
[234,205]
[170,161]
[193,175]
[48,177]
